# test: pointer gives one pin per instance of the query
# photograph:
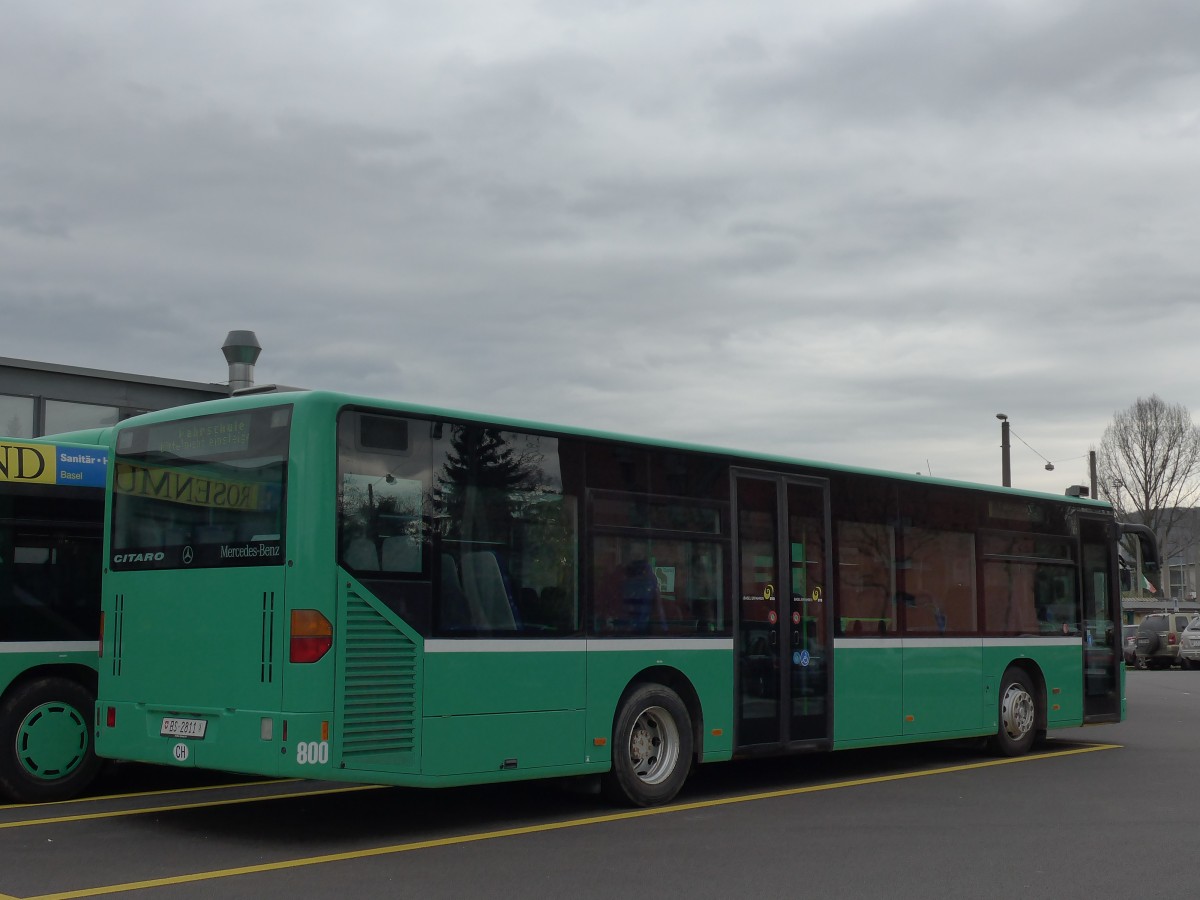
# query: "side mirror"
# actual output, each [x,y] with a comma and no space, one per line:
[1150,557]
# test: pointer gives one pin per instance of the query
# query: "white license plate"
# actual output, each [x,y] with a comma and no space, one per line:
[184,728]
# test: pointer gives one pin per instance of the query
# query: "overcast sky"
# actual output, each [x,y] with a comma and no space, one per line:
[850,231]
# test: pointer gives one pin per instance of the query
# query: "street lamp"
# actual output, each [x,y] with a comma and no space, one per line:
[1005,465]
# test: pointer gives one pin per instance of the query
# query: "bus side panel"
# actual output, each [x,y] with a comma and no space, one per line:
[15,661]
[507,742]
[1060,665]
[867,689]
[611,667]
[470,677]
[502,704]
[943,681]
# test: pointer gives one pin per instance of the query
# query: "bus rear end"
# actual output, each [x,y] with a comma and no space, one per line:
[192,649]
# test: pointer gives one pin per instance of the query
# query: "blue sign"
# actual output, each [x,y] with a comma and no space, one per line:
[84,467]
[804,657]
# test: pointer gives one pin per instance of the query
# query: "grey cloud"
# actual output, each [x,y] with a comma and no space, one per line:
[964,60]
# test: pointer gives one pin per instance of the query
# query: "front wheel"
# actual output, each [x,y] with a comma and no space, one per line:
[652,748]
[46,750]
[1018,715]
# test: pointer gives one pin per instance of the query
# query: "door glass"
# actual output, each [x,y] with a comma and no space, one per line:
[759,645]
[808,658]
[1100,653]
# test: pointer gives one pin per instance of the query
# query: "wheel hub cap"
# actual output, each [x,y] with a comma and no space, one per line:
[52,741]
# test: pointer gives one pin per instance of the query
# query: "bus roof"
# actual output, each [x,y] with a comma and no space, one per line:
[333,399]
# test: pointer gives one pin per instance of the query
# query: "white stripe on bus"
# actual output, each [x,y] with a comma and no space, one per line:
[851,643]
[49,646]
[574,645]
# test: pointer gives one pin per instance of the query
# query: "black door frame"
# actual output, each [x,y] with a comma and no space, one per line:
[783,587]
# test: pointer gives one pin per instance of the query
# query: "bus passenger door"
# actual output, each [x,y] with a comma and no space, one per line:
[784,677]
[1101,626]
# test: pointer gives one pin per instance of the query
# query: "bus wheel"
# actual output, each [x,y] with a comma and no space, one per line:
[46,750]
[1018,715]
[652,748]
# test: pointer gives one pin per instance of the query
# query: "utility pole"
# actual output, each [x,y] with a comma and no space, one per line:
[1005,464]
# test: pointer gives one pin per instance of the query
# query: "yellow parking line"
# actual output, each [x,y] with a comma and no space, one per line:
[117,813]
[133,794]
[550,826]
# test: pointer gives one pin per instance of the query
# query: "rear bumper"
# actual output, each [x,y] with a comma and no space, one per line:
[266,743]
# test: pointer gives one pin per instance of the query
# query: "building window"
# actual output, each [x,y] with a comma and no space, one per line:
[65,415]
[16,416]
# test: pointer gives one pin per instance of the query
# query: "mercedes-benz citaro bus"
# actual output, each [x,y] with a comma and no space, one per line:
[326,586]
[51,517]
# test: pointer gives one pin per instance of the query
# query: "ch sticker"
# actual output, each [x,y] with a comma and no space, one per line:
[816,595]
[768,592]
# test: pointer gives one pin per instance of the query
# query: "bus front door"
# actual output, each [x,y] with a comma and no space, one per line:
[784,643]
[1101,626]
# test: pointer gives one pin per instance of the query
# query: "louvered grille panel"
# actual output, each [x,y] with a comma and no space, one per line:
[379,707]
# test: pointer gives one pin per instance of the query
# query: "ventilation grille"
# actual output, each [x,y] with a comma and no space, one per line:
[118,632]
[379,709]
[267,656]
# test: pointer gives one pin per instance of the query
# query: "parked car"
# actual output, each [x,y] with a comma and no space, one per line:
[1157,644]
[1189,645]
[1129,644]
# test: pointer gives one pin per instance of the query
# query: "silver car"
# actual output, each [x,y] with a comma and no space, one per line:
[1189,645]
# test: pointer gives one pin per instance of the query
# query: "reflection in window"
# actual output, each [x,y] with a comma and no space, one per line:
[468,528]
[866,579]
[65,415]
[1030,597]
[939,581]
[16,416]
[1033,591]
[657,585]
[199,492]
[381,523]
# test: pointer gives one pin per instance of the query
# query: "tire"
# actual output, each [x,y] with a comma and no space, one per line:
[652,748]
[1017,727]
[46,746]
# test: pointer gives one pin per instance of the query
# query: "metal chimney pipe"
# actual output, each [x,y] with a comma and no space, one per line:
[241,349]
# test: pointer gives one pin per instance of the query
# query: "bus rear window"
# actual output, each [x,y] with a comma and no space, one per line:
[202,492]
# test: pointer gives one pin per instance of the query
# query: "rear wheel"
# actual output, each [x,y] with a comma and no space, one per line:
[46,750]
[652,748]
[1018,714]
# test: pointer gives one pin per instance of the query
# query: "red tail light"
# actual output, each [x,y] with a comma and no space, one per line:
[1172,638]
[312,636]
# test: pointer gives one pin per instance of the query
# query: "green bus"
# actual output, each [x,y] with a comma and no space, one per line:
[51,524]
[327,586]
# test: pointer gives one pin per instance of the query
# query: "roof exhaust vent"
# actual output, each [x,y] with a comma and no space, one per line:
[241,349]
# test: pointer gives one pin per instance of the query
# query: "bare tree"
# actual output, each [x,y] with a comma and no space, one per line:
[1148,466]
